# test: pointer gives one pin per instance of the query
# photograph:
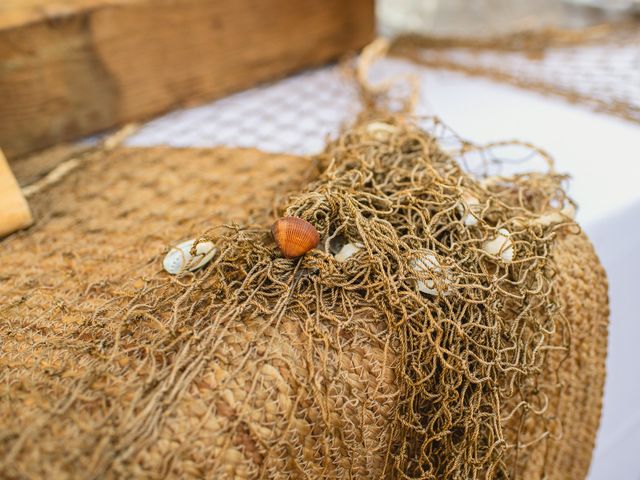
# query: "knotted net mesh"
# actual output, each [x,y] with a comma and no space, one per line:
[435,351]
[598,66]
[467,357]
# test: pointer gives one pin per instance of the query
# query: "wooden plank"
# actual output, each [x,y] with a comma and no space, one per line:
[14,209]
[71,68]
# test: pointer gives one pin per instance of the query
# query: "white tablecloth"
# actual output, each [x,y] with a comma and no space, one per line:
[601,153]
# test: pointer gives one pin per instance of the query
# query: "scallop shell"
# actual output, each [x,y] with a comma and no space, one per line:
[179,257]
[429,262]
[381,131]
[294,236]
[566,214]
[347,250]
[467,209]
[500,245]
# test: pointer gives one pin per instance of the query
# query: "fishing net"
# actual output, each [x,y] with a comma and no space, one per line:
[463,338]
[597,66]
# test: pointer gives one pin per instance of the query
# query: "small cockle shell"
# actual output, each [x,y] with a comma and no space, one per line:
[567,213]
[425,263]
[381,131]
[500,245]
[347,250]
[467,209]
[294,236]
[179,257]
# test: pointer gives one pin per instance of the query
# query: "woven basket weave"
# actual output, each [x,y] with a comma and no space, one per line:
[104,228]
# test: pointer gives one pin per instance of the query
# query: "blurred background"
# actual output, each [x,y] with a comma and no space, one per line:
[479,18]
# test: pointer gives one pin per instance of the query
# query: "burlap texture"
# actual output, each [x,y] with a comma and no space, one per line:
[103,228]
[96,235]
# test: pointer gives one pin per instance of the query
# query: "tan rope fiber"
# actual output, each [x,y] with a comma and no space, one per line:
[598,66]
[67,166]
[378,98]
[430,353]
[471,399]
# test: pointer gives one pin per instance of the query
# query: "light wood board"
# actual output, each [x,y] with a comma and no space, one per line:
[14,209]
[74,67]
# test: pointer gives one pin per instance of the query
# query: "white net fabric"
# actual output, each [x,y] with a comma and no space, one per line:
[601,71]
[292,115]
[295,115]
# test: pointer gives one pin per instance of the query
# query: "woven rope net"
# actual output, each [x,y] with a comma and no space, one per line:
[597,66]
[442,348]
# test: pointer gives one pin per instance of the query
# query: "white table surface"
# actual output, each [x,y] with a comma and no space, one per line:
[601,152]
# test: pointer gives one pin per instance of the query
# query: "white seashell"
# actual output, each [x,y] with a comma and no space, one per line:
[425,263]
[451,149]
[500,245]
[548,219]
[179,257]
[490,181]
[347,250]
[466,208]
[569,211]
[380,130]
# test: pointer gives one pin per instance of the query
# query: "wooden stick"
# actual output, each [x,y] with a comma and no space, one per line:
[14,209]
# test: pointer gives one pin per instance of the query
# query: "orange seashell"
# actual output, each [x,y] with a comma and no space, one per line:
[294,236]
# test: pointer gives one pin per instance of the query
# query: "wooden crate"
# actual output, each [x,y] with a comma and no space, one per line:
[74,67]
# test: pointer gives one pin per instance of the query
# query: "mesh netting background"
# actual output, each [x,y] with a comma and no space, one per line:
[598,67]
[292,115]
[295,115]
